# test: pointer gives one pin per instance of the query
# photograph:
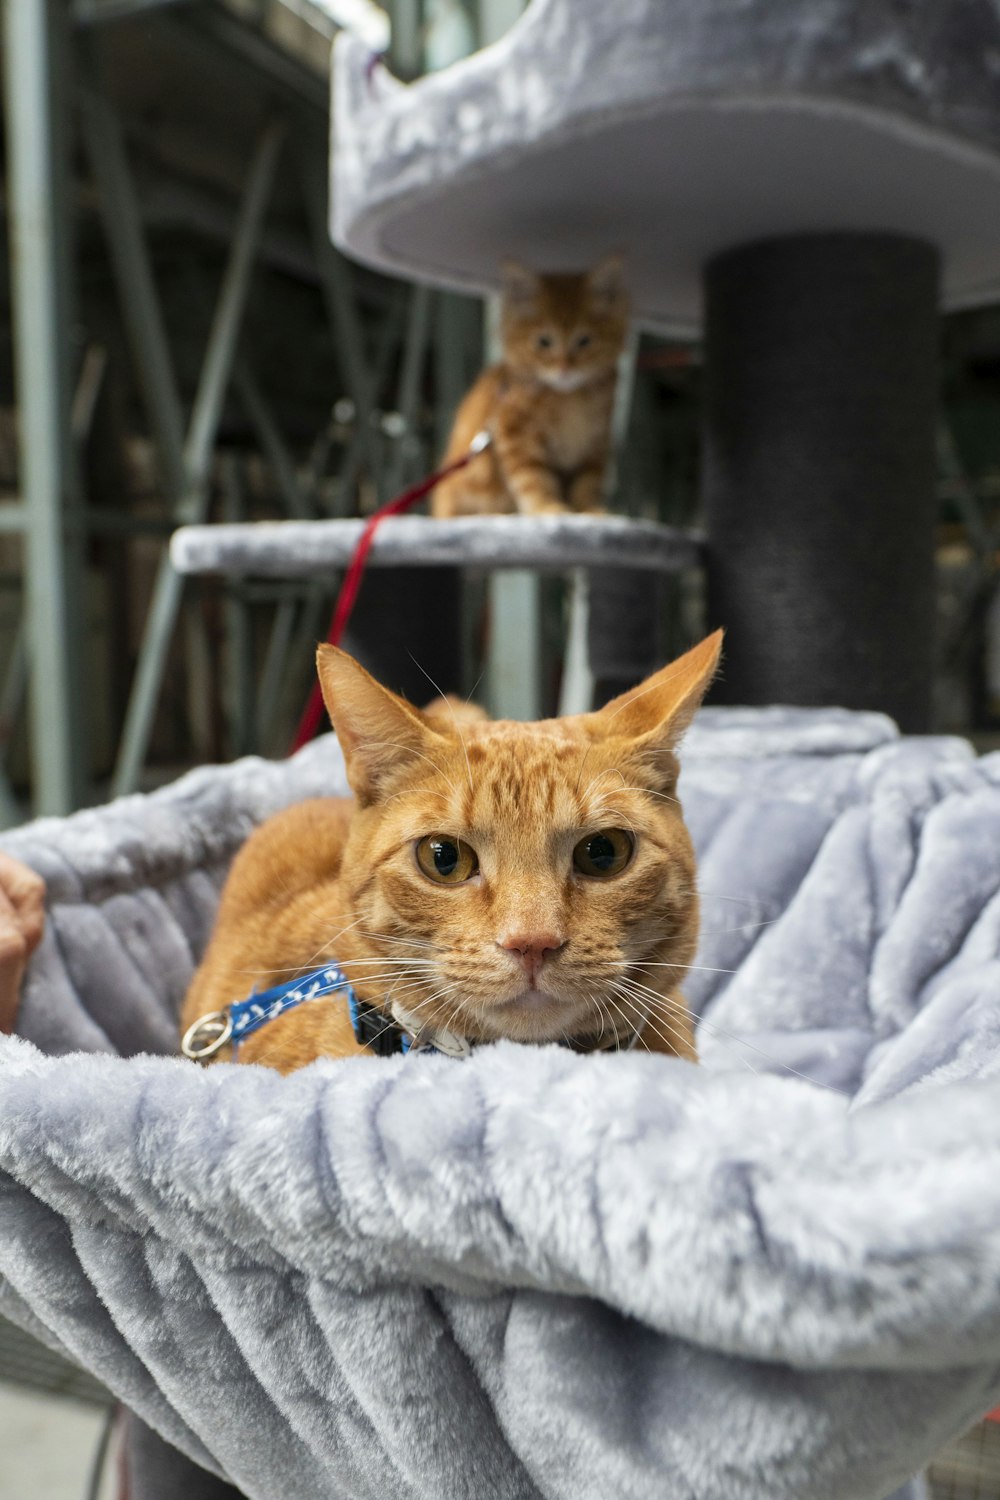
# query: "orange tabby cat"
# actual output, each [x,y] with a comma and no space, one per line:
[490,879]
[548,403]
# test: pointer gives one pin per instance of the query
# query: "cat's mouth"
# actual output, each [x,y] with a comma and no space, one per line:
[533,1015]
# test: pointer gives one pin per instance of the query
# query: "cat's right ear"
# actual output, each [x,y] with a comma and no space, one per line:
[379,732]
[657,712]
[520,286]
[606,281]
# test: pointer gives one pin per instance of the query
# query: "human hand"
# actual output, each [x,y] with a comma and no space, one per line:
[22,918]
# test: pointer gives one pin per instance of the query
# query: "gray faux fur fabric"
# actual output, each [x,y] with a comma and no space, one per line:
[675,129]
[535,1274]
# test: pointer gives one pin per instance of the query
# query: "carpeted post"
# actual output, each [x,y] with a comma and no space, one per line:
[820,394]
[406,630]
[625,628]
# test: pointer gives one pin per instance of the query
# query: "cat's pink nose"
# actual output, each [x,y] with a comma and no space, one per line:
[531,949]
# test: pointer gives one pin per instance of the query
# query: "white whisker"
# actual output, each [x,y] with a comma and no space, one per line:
[707,895]
[735,1041]
[740,927]
[649,963]
[675,1034]
[385,938]
[451,710]
[397,745]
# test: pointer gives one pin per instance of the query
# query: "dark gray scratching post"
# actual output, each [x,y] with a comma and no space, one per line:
[406,629]
[625,628]
[821,384]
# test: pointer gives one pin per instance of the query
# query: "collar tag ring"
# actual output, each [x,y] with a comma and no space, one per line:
[207,1036]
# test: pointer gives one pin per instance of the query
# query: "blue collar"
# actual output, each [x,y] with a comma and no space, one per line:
[374,1030]
[249,1015]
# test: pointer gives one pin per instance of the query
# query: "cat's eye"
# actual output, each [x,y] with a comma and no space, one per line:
[545,341]
[446,860]
[582,341]
[603,854]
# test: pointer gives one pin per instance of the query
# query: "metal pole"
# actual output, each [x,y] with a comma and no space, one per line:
[38,210]
[215,374]
[288,670]
[360,442]
[12,696]
[140,304]
[513,670]
[221,349]
[576,691]
[414,359]
[296,501]
[274,677]
[257,730]
[406,46]
[335,280]
[239,629]
[496,17]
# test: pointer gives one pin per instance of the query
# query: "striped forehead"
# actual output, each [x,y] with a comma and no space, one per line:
[520,776]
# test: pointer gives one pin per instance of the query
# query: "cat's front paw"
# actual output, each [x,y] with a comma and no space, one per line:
[586,494]
[543,506]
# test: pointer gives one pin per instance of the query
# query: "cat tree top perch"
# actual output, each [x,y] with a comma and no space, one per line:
[677,129]
[804,179]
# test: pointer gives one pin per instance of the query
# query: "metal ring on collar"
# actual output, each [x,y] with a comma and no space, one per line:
[207,1036]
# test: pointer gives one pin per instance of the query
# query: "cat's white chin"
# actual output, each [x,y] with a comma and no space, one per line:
[567,381]
[534,1016]
[531,1000]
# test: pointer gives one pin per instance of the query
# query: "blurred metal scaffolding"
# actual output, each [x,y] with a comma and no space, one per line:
[184,317]
[48,515]
[166,124]
[186,343]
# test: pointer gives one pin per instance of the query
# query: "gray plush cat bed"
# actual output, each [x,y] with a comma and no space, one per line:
[536,1274]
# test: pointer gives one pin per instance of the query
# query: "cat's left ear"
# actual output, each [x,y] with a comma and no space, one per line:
[379,733]
[606,282]
[520,286]
[659,710]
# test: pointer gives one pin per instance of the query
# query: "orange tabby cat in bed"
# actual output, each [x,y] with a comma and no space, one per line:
[547,405]
[489,879]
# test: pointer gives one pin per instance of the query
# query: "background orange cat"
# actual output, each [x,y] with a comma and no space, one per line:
[490,879]
[548,403]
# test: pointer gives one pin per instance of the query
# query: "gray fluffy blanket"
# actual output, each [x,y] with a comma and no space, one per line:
[535,1274]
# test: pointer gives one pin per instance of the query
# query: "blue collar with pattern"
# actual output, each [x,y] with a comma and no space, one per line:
[232,1025]
[379,1032]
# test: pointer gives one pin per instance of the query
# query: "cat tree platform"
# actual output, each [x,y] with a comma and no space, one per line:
[800,180]
[314,549]
[613,641]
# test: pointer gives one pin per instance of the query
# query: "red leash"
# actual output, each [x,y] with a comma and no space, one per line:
[313,712]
